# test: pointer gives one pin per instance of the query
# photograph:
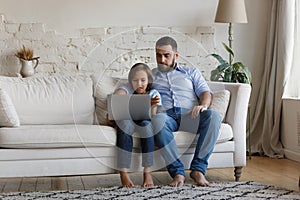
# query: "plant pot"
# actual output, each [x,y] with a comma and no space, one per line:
[28,67]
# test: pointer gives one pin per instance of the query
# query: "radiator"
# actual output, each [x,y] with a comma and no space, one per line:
[290,128]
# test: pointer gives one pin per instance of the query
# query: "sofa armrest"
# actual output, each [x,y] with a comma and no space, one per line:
[236,115]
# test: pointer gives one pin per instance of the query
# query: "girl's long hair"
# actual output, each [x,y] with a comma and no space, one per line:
[141,67]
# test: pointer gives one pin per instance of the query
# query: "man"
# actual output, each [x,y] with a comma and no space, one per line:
[184,93]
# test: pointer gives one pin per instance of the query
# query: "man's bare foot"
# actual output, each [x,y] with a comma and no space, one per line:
[148,181]
[125,180]
[199,178]
[178,181]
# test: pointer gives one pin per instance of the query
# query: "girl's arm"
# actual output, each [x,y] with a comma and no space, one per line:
[154,104]
[153,110]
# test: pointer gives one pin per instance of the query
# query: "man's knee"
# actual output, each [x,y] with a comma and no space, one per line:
[215,116]
[211,115]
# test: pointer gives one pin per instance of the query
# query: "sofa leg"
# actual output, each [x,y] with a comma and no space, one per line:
[237,173]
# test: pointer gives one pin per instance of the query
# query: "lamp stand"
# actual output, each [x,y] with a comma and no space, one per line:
[230,39]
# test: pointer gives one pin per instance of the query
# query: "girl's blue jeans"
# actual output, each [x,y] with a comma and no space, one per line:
[125,130]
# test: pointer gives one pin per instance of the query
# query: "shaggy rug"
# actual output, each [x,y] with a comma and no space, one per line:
[231,190]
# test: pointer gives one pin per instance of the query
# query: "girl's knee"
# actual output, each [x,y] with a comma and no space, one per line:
[144,123]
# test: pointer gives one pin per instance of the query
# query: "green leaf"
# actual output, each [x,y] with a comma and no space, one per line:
[242,68]
[236,67]
[215,75]
[242,78]
[234,78]
[223,67]
[228,49]
[219,58]
[227,76]
[236,72]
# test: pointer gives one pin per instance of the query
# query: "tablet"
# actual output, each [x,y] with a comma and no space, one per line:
[129,106]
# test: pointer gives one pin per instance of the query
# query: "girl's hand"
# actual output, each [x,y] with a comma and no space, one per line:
[111,123]
[155,100]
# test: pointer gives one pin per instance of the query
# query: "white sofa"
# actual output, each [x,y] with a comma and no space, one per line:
[52,129]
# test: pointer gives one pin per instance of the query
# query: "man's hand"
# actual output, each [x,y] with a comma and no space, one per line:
[204,103]
[155,100]
[196,111]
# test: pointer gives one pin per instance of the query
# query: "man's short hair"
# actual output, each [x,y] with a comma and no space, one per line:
[166,40]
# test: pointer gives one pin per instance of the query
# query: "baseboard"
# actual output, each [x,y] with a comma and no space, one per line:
[292,155]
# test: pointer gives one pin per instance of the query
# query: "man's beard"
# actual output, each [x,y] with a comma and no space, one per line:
[166,68]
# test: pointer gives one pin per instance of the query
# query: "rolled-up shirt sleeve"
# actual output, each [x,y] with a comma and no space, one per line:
[200,85]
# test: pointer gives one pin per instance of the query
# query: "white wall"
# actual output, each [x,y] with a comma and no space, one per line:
[68,16]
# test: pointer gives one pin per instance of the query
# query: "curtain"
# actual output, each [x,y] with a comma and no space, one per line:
[292,89]
[265,128]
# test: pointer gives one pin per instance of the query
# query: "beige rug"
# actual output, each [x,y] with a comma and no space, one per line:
[230,190]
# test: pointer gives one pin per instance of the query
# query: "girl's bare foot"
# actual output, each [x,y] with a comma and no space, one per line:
[199,178]
[125,180]
[178,181]
[148,181]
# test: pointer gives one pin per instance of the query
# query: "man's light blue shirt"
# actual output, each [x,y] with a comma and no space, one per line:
[181,87]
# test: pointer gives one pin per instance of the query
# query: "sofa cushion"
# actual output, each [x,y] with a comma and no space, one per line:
[8,113]
[57,99]
[186,139]
[67,136]
[57,136]
[220,102]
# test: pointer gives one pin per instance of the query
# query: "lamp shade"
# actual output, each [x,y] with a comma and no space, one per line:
[231,11]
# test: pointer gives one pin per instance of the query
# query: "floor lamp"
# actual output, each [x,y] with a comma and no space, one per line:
[231,11]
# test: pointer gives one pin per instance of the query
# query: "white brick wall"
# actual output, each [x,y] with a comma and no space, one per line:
[112,50]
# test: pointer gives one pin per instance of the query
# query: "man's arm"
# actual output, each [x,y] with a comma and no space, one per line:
[205,99]
[204,103]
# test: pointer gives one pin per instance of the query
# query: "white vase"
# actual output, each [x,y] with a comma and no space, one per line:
[28,67]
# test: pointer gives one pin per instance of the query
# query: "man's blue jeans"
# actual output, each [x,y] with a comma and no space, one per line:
[207,126]
[125,129]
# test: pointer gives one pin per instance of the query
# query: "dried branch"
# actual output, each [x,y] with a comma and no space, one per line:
[25,53]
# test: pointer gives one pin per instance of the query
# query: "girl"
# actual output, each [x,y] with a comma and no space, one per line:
[139,82]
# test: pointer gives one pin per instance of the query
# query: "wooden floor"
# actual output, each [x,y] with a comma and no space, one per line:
[278,172]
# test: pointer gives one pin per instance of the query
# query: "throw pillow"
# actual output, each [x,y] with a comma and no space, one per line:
[220,102]
[103,86]
[8,113]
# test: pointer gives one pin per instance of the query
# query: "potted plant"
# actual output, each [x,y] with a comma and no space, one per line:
[28,62]
[230,71]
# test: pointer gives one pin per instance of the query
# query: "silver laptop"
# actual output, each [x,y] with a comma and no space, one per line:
[128,106]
